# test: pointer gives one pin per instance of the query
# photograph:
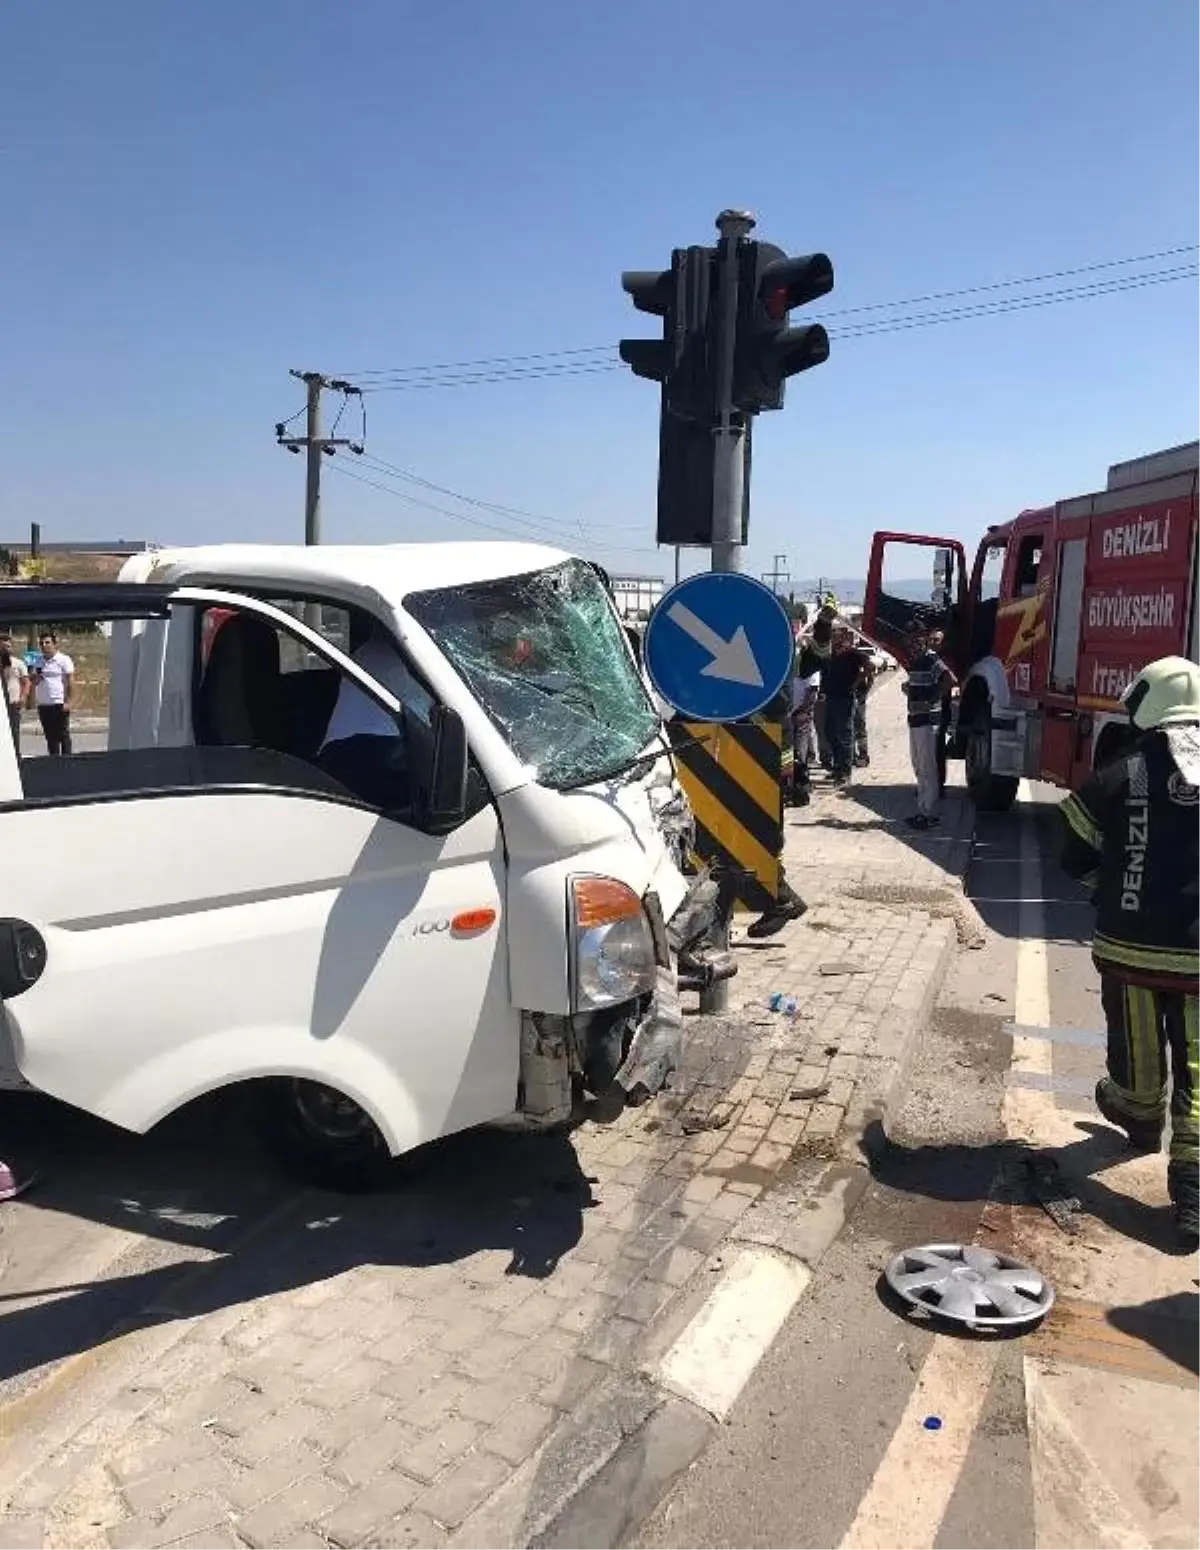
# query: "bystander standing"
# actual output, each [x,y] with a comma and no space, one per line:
[53,681]
[15,677]
[862,746]
[804,735]
[839,681]
[929,682]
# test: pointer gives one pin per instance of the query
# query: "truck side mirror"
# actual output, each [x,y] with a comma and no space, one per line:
[441,787]
[943,571]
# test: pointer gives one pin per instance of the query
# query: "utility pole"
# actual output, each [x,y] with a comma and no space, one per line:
[729,466]
[778,573]
[315,444]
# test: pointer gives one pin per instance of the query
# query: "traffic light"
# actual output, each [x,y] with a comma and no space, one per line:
[686,454]
[680,359]
[653,292]
[768,352]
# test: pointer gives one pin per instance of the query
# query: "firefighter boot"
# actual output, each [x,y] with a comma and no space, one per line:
[1144,1131]
[1183,1186]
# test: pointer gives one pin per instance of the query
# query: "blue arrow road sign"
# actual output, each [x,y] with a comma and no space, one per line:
[719,647]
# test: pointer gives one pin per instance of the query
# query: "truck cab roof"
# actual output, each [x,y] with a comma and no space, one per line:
[351,570]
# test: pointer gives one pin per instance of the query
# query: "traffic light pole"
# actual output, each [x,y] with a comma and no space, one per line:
[729,463]
[729,469]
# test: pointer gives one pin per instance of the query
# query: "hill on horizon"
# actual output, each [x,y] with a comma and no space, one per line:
[850,590]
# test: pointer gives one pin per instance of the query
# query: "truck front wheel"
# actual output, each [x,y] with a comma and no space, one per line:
[991,793]
[323,1137]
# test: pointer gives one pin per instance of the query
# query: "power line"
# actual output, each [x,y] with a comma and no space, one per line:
[854,331]
[512,367]
[1016,304]
[485,360]
[516,374]
[1001,285]
[458,516]
[517,513]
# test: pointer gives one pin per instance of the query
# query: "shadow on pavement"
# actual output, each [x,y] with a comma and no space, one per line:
[1170,1324]
[200,1180]
[997,885]
[892,805]
[959,1174]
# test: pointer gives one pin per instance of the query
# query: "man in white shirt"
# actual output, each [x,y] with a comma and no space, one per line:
[52,684]
[14,678]
[364,745]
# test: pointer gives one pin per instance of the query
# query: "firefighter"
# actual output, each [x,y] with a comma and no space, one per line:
[1131,831]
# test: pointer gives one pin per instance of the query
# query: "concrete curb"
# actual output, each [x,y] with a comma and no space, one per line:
[618,1479]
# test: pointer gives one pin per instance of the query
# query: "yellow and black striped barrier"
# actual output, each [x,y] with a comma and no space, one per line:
[733,775]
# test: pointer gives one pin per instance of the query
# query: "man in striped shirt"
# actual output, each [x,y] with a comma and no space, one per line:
[929,682]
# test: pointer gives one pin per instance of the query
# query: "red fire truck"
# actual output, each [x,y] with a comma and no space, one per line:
[1060,609]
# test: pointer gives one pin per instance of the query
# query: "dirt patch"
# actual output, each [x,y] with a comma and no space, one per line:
[942,903]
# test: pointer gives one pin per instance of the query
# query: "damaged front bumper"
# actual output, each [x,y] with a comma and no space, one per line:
[627,1054]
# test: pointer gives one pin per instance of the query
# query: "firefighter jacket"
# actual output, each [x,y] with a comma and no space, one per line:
[1131,831]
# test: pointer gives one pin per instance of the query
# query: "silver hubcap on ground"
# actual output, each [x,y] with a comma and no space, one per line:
[970,1285]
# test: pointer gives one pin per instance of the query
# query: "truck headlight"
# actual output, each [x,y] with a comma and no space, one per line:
[612,947]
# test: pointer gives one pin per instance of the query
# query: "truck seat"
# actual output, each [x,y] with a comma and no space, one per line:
[238,704]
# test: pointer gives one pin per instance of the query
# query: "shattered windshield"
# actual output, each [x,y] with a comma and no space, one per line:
[546,657]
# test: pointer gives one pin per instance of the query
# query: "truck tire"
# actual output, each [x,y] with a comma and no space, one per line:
[990,793]
[324,1138]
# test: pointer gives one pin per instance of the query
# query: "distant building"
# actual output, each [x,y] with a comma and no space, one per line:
[636,596]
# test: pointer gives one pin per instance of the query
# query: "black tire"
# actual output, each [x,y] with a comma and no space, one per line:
[324,1138]
[990,793]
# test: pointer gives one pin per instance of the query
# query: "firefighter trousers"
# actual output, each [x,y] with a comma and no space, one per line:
[1152,1049]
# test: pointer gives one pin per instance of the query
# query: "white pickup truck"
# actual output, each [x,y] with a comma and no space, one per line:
[207,904]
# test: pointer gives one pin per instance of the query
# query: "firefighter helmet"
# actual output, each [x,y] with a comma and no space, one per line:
[1164,692]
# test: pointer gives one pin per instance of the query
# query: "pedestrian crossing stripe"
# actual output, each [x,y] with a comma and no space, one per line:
[732,773]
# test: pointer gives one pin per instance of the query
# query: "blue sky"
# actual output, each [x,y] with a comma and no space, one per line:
[200,197]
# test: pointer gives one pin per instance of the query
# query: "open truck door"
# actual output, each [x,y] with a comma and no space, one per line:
[176,917]
[894,604]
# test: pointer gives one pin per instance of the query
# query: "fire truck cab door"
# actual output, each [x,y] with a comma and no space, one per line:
[890,614]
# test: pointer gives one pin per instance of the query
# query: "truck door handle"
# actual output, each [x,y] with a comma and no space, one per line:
[22,957]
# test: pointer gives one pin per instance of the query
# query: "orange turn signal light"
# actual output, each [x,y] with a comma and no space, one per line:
[467,922]
[601,901]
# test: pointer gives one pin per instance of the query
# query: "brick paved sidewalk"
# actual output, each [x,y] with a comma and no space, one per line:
[450,1362]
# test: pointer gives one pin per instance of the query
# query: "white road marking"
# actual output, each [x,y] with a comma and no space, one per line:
[907,1500]
[911,1490]
[715,1356]
[1031,1057]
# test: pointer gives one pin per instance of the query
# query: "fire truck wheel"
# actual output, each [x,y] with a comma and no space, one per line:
[991,793]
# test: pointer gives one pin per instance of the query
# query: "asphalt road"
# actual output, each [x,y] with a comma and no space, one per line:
[824,1446]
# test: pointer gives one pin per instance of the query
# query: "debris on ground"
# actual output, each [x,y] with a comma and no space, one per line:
[1046,1185]
[788,1005]
[693,1124]
[809,1092]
